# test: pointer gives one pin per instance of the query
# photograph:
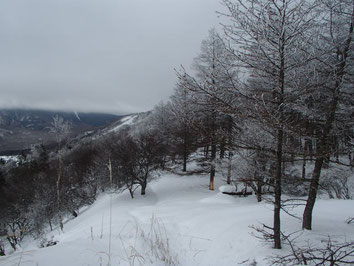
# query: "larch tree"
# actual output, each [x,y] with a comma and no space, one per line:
[186,121]
[266,37]
[331,102]
[212,77]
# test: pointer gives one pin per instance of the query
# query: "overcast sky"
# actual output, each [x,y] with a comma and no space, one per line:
[97,55]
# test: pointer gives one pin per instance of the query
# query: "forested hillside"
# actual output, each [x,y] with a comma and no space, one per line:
[19,129]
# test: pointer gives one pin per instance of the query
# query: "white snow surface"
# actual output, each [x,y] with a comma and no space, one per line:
[227,188]
[201,227]
[9,158]
[125,121]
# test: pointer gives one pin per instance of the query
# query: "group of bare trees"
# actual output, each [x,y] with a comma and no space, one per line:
[135,158]
[275,84]
[43,187]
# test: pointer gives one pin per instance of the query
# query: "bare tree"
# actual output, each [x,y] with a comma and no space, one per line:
[135,159]
[61,129]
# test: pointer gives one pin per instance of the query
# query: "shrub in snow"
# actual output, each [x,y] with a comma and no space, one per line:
[331,253]
[150,245]
[338,182]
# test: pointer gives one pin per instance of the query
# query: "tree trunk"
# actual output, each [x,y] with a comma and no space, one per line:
[213,148]
[279,151]
[229,146]
[184,163]
[304,168]
[185,156]
[2,250]
[185,150]
[212,166]
[11,242]
[259,191]
[50,224]
[143,187]
[277,192]
[310,203]
[350,158]
[58,189]
[310,149]
[228,177]
[212,176]
[131,193]
[222,149]
[206,152]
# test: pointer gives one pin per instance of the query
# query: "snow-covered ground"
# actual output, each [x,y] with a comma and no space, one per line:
[178,220]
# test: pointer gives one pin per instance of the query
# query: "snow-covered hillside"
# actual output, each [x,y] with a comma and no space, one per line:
[128,120]
[181,221]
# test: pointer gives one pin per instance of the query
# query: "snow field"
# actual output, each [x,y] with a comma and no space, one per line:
[179,222]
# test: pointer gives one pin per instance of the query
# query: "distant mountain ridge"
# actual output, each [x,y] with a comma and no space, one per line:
[19,129]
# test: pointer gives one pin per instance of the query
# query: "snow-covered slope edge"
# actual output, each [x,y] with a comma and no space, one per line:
[181,220]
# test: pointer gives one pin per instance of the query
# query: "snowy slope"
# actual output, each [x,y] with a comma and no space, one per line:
[128,120]
[181,220]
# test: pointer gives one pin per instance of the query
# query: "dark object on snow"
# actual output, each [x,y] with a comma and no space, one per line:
[49,243]
[74,213]
[241,193]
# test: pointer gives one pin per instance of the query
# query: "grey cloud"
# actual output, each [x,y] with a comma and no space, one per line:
[97,55]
